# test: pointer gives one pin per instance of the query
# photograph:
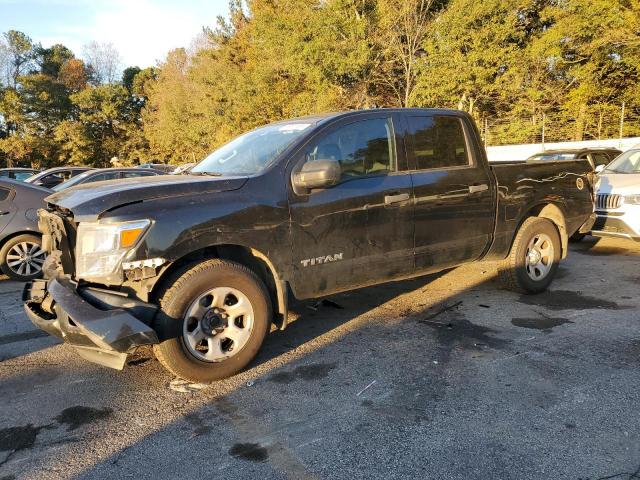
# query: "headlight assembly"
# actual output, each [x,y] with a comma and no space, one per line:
[632,199]
[101,248]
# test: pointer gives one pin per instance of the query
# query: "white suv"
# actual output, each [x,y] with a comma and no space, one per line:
[618,197]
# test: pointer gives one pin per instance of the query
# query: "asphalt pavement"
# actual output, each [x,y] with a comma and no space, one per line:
[443,377]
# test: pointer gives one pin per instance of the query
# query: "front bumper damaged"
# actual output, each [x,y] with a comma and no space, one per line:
[103,327]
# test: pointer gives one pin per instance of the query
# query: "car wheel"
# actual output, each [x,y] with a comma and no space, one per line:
[534,257]
[212,321]
[22,257]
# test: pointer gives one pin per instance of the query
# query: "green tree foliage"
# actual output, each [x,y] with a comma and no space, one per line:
[510,63]
[51,113]
[16,55]
[101,128]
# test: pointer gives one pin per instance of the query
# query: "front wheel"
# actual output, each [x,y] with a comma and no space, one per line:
[534,257]
[212,321]
[22,257]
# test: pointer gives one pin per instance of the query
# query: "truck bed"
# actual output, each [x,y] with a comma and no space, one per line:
[523,187]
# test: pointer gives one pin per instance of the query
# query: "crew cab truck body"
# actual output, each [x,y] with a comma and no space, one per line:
[199,265]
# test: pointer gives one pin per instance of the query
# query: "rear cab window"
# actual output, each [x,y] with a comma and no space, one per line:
[437,142]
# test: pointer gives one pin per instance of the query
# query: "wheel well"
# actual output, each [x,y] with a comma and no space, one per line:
[17,234]
[554,214]
[250,258]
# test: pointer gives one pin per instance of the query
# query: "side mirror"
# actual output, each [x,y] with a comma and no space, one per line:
[317,174]
[600,168]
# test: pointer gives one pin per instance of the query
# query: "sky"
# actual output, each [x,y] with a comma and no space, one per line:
[143,31]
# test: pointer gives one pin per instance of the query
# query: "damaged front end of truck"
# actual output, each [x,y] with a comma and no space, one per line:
[103,326]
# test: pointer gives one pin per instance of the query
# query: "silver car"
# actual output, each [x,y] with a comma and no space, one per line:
[618,197]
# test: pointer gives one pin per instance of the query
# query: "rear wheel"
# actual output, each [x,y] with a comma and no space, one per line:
[22,257]
[534,257]
[212,322]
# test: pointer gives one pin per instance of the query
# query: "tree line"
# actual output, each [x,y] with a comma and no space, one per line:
[514,60]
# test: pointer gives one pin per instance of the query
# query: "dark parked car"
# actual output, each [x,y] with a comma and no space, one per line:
[103,174]
[199,265]
[20,174]
[55,176]
[158,166]
[21,255]
[595,156]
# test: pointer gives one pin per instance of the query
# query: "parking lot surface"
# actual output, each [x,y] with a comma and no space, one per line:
[446,376]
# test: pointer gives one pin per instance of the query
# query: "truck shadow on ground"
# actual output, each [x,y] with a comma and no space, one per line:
[601,247]
[365,358]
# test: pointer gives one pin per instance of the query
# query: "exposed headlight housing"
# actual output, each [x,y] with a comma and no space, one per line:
[632,199]
[101,248]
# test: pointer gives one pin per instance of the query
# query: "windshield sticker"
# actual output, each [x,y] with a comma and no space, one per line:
[293,127]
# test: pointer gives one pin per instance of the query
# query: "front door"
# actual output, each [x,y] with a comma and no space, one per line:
[454,198]
[359,231]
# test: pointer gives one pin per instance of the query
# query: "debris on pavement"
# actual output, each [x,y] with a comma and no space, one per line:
[366,388]
[183,386]
[325,302]
[440,312]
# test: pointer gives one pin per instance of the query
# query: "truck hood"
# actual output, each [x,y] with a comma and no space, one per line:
[619,183]
[87,202]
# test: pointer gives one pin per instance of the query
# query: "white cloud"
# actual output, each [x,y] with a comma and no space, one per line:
[143,31]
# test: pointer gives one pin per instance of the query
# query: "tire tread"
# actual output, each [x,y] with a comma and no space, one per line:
[169,293]
[507,268]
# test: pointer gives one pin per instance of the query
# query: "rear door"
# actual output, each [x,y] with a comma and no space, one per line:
[7,208]
[454,198]
[359,231]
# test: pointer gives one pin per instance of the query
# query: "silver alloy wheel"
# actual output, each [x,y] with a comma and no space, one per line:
[539,256]
[218,324]
[26,258]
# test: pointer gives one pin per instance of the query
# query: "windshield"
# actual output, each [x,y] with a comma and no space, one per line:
[552,157]
[73,181]
[627,162]
[251,152]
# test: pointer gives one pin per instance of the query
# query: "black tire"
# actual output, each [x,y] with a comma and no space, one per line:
[513,272]
[8,250]
[172,351]
[577,237]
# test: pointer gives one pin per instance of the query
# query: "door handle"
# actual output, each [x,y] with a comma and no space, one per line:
[4,213]
[478,188]
[396,198]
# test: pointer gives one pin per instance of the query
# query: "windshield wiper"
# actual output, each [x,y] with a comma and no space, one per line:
[205,174]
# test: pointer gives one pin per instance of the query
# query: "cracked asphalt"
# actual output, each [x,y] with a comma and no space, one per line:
[443,377]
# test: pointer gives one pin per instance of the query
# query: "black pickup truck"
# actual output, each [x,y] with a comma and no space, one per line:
[200,265]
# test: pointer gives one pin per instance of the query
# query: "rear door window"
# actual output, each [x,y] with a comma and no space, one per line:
[438,142]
